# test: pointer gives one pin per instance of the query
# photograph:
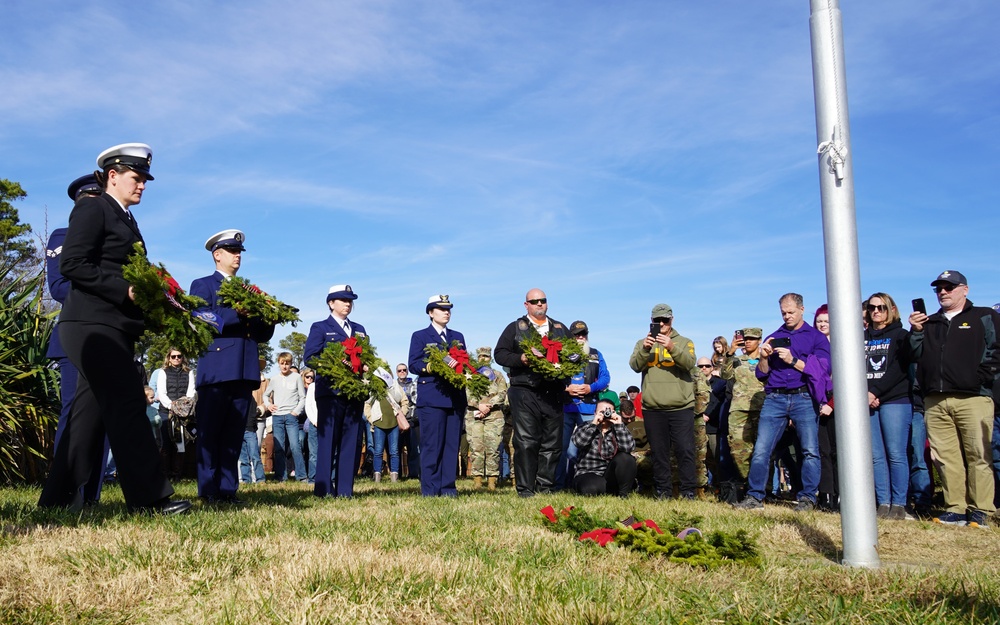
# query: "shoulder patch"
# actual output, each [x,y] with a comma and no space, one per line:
[522,324]
[558,325]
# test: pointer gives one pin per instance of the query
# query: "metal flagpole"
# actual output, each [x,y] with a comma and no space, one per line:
[843,287]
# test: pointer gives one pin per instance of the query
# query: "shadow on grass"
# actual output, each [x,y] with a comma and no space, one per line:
[818,540]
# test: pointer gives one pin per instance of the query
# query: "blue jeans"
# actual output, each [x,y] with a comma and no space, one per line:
[890,437]
[285,428]
[778,409]
[250,459]
[564,469]
[921,487]
[312,440]
[381,436]
[996,458]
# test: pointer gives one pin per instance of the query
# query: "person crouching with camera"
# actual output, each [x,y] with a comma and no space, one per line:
[605,464]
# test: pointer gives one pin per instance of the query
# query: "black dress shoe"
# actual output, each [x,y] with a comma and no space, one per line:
[165,506]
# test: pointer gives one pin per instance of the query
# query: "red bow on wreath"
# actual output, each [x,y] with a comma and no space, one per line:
[352,349]
[462,358]
[172,286]
[551,349]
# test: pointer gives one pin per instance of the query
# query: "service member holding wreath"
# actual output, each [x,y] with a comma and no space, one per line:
[339,417]
[440,404]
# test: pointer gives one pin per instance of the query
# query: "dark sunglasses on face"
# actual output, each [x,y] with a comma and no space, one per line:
[536,302]
[400,370]
[877,307]
[309,377]
[704,366]
[178,356]
[944,287]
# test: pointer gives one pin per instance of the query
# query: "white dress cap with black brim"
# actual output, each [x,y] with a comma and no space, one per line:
[341,291]
[136,156]
[229,239]
[438,301]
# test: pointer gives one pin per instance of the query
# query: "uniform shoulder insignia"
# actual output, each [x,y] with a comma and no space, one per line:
[360,335]
[54,253]
[558,325]
[522,324]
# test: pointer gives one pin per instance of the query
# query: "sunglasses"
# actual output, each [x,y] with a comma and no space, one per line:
[536,302]
[400,370]
[309,377]
[177,356]
[877,308]
[945,287]
[704,366]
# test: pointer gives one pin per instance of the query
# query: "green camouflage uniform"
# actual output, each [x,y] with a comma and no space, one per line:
[744,411]
[702,394]
[485,434]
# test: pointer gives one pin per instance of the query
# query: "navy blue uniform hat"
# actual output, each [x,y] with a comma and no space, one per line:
[950,277]
[230,239]
[136,156]
[83,184]
[341,291]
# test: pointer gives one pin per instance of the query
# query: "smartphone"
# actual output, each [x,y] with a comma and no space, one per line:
[919,306]
[739,335]
[654,329]
[781,341]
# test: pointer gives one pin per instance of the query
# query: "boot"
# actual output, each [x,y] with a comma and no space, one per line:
[394,476]
[477,483]
[491,484]
[378,477]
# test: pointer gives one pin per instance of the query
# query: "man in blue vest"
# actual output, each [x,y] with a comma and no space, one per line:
[228,373]
[583,389]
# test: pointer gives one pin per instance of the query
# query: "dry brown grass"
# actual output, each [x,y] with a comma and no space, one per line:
[390,556]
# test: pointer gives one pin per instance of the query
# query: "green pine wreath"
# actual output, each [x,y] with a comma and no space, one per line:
[247,299]
[567,367]
[470,379]
[166,308]
[334,364]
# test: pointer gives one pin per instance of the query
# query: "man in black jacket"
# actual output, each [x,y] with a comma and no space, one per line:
[957,351]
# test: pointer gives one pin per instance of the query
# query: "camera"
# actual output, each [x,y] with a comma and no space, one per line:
[607,412]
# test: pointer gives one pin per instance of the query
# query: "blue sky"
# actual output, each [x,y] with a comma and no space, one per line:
[615,155]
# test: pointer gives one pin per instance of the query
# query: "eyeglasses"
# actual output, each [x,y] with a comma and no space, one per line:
[400,370]
[877,308]
[704,366]
[536,302]
[945,287]
[663,320]
[177,356]
[309,377]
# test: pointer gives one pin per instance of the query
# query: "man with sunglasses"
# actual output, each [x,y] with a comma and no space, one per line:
[410,439]
[536,403]
[957,352]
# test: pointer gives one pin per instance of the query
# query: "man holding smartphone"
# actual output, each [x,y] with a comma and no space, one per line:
[795,367]
[665,360]
[957,351]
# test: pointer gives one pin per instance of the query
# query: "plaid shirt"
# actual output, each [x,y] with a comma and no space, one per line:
[597,448]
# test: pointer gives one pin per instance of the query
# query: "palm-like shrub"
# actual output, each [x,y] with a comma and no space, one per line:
[29,389]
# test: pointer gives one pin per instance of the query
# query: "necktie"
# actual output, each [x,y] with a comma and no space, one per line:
[444,338]
[129,218]
[347,328]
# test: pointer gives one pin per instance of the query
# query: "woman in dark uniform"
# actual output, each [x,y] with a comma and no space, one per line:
[98,327]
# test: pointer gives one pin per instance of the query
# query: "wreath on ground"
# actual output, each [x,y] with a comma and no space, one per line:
[352,367]
[169,311]
[457,368]
[555,358]
[248,300]
[682,542]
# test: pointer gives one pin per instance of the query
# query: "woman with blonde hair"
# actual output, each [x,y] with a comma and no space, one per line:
[173,381]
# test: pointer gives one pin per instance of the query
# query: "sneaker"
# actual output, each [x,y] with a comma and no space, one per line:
[977,518]
[805,505]
[883,511]
[950,518]
[899,513]
[749,503]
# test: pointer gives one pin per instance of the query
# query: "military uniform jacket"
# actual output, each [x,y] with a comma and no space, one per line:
[432,390]
[495,396]
[233,355]
[98,243]
[748,389]
[321,333]
[58,285]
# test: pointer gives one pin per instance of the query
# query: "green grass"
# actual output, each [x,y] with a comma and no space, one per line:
[390,556]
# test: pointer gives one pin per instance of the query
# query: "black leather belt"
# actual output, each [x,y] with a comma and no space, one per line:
[788,391]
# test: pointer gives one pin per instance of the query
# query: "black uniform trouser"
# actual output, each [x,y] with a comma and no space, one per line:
[538,432]
[109,401]
[671,430]
[617,479]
